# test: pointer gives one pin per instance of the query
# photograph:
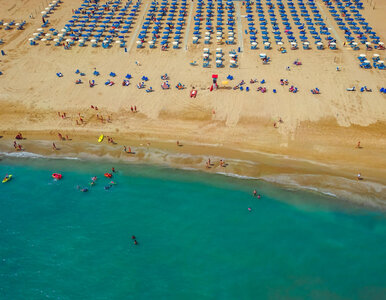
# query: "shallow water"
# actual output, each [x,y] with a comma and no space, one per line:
[197,239]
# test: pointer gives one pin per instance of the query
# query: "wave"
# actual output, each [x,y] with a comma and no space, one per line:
[236,175]
[25,154]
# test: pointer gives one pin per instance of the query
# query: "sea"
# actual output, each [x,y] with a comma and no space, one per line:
[199,236]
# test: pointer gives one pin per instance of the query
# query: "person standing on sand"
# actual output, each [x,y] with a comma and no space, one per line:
[132,109]
[54,146]
[124,149]
[178,143]
[359,145]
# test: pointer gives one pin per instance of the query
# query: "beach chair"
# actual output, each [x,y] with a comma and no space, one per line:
[205,65]
[193,63]
[149,90]
[112,74]
[96,73]
[59,74]
[230,77]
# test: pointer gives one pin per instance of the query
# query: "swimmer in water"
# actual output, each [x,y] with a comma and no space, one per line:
[249,209]
[107,187]
[258,196]
[135,242]
[254,193]
[133,237]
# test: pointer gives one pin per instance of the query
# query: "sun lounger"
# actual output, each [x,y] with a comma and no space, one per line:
[149,90]
[59,74]
[112,74]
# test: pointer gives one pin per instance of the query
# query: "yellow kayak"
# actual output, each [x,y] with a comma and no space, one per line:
[7,178]
[101,138]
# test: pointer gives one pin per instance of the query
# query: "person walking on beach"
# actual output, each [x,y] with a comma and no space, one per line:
[132,109]
[124,149]
[359,145]
[54,146]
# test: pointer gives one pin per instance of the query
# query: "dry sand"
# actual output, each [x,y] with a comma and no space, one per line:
[314,146]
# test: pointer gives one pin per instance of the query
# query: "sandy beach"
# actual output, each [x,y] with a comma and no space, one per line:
[314,145]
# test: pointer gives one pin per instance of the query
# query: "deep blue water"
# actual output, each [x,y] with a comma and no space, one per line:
[197,239]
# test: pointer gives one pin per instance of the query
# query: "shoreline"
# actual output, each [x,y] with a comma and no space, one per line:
[286,171]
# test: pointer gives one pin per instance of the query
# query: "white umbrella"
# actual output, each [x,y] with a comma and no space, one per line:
[218,49]
[280,43]
[206,49]
[68,40]
[366,61]
[230,38]
[39,29]
[81,41]
[231,33]
[47,8]
[207,33]
[218,55]
[267,44]
[17,24]
[381,62]
[263,55]
[293,44]
[218,61]
[306,43]
[56,40]
[43,40]
[381,43]
[232,55]
[195,38]
[376,55]
[35,34]
[93,41]
[205,55]
[175,43]
[31,39]
[60,34]
[117,42]
[47,34]
[219,38]
[138,42]
[362,55]
[207,38]
[151,42]
[368,43]
[63,30]
[319,43]
[5,24]
[232,61]
[254,43]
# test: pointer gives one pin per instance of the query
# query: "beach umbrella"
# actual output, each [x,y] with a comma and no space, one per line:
[93,41]
[31,39]
[60,34]
[218,55]
[376,55]
[56,40]
[43,40]
[63,30]
[47,34]
[39,29]
[218,61]
[68,40]
[43,12]
[35,34]
[232,61]
[205,55]
[117,42]
[362,55]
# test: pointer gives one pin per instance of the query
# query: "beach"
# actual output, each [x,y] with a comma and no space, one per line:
[192,149]
[317,135]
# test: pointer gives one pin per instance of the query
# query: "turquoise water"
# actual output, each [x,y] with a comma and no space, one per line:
[197,239]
